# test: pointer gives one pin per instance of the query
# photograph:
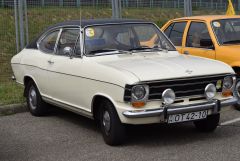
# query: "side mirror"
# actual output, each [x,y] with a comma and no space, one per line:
[207,43]
[68,51]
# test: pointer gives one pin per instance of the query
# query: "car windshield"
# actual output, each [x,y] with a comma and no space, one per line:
[124,38]
[227,31]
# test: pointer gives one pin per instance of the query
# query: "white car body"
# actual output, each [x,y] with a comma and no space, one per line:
[73,83]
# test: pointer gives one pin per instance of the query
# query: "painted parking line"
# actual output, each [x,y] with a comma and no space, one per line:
[230,121]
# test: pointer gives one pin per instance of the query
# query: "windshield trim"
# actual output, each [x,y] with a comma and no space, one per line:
[122,23]
[211,23]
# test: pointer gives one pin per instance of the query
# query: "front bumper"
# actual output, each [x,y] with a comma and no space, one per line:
[214,106]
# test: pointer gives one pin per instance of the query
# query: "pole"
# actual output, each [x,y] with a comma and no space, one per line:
[61,3]
[188,7]
[116,9]
[2,3]
[26,20]
[42,3]
[21,25]
[16,25]
[78,3]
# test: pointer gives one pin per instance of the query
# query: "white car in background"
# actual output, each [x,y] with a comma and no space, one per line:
[121,72]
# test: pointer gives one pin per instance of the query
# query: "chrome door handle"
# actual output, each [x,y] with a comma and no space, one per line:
[186,52]
[50,62]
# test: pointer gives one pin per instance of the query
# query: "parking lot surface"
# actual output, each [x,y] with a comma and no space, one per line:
[64,136]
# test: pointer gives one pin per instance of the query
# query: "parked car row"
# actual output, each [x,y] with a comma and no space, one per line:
[120,72]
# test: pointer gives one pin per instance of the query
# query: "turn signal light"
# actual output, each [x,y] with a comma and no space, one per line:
[227,93]
[138,104]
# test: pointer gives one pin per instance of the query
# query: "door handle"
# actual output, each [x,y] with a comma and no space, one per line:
[186,53]
[50,62]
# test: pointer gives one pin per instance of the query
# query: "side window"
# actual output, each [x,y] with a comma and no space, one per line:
[47,44]
[68,38]
[168,30]
[175,32]
[197,35]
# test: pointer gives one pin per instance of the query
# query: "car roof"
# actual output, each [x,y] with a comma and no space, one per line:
[84,23]
[207,17]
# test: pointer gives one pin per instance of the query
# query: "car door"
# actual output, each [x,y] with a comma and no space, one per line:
[175,32]
[41,57]
[65,78]
[198,41]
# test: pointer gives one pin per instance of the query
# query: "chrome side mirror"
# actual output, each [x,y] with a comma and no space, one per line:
[68,51]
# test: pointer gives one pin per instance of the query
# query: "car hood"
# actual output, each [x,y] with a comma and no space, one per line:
[155,66]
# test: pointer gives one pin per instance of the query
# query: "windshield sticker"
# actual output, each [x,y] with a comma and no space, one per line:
[216,24]
[90,32]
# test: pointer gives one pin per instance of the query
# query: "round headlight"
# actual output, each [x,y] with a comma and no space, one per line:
[138,92]
[228,82]
[168,96]
[238,89]
[210,91]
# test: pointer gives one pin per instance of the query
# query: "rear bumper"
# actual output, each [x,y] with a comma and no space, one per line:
[214,106]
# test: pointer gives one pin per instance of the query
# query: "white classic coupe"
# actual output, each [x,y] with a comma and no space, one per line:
[121,72]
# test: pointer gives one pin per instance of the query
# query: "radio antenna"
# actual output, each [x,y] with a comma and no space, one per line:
[80,34]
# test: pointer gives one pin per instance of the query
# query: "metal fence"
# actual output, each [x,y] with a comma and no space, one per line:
[32,16]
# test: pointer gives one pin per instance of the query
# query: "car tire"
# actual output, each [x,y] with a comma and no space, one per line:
[36,105]
[209,124]
[112,129]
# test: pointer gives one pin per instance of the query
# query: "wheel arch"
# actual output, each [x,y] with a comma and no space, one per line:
[95,102]
[26,80]
[236,69]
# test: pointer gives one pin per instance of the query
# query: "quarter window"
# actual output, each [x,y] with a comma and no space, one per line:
[47,44]
[68,38]
[175,32]
[197,33]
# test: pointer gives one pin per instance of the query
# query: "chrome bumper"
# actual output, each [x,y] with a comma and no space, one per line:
[215,106]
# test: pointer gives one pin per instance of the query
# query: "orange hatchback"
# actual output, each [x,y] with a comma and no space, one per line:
[214,37]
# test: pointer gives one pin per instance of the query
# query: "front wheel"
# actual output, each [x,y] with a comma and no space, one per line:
[209,124]
[112,129]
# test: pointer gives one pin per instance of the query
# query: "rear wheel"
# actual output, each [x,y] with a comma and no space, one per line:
[36,105]
[209,124]
[112,129]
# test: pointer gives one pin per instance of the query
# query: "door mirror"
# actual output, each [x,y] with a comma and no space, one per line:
[68,51]
[207,43]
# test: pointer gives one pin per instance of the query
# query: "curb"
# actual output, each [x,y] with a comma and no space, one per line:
[13,109]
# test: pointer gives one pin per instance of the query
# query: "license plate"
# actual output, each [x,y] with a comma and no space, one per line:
[187,116]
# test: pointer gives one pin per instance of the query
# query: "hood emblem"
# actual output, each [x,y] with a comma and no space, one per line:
[188,71]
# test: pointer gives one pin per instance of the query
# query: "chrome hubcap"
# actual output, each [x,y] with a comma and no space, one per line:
[106,121]
[32,96]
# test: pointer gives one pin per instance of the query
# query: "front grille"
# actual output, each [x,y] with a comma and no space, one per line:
[184,87]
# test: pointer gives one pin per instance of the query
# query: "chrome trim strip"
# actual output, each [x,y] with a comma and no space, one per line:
[187,78]
[184,84]
[68,107]
[214,105]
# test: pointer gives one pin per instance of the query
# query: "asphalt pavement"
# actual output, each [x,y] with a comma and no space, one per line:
[64,136]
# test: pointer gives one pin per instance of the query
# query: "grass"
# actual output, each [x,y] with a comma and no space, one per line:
[39,18]
[11,93]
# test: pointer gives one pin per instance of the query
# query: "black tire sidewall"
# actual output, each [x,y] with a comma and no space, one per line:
[116,135]
[209,124]
[40,107]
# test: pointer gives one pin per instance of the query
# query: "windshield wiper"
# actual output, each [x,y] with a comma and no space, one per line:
[148,49]
[104,51]
[232,42]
